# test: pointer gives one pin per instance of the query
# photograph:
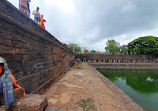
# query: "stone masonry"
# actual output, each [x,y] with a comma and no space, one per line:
[104,58]
[85,89]
[35,57]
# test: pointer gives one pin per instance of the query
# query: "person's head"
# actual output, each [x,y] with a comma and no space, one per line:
[41,16]
[37,8]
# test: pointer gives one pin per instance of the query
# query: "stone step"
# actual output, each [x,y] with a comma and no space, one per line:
[55,108]
[3,108]
[31,102]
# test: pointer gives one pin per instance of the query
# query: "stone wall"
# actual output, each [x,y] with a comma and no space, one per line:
[103,58]
[35,57]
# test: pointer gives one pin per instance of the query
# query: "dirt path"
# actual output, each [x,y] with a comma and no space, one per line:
[85,89]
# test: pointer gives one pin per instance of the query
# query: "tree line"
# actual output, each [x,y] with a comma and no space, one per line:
[78,50]
[142,45]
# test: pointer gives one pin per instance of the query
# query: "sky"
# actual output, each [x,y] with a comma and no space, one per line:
[90,23]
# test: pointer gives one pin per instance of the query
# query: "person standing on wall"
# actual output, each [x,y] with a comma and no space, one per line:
[36,14]
[24,6]
[42,20]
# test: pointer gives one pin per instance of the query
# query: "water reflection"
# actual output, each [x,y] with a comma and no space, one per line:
[145,81]
[140,85]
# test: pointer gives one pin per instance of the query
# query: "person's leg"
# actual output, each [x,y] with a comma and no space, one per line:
[21,8]
[25,11]
[28,9]
[36,19]
[29,13]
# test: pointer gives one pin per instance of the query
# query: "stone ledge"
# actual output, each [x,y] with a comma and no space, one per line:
[31,102]
[125,65]
[55,108]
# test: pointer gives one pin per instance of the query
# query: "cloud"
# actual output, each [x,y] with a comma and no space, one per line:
[64,5]
[96,21]
[129,7]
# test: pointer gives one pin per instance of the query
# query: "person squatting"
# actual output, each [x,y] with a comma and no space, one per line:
[7,83]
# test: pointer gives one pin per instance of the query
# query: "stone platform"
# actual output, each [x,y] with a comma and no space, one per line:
[85,89]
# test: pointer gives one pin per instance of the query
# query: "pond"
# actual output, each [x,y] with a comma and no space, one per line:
[139,84]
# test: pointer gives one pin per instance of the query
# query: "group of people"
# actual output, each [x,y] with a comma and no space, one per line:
[38,18]
[24,6]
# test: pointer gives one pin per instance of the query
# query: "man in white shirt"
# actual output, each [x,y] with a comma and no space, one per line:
[36,14]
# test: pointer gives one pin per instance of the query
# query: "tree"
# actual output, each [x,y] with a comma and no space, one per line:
[144,45]
[93,52]
[123,49]
[86,51]
[76,47]
[112,47]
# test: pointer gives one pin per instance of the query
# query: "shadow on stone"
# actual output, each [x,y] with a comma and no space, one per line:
[87,105]
[55,108]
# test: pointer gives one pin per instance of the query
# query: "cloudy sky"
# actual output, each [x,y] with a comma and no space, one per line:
[95,21]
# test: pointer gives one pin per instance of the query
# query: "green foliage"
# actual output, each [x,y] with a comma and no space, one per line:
[86,51]
[144,45]
[28,45]
[76,47]
[112,47]
[78,50]
[123,49]
[93,52]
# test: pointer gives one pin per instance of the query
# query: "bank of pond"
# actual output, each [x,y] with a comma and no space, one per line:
[139,84]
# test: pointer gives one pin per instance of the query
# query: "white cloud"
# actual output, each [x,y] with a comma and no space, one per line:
[96,21]
[14,2]
[64,5]
[124,39]
[129,7]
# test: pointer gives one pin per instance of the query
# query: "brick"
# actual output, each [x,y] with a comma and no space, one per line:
[19,38]
[5,42]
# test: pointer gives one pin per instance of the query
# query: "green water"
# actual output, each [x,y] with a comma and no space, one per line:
[139,84]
